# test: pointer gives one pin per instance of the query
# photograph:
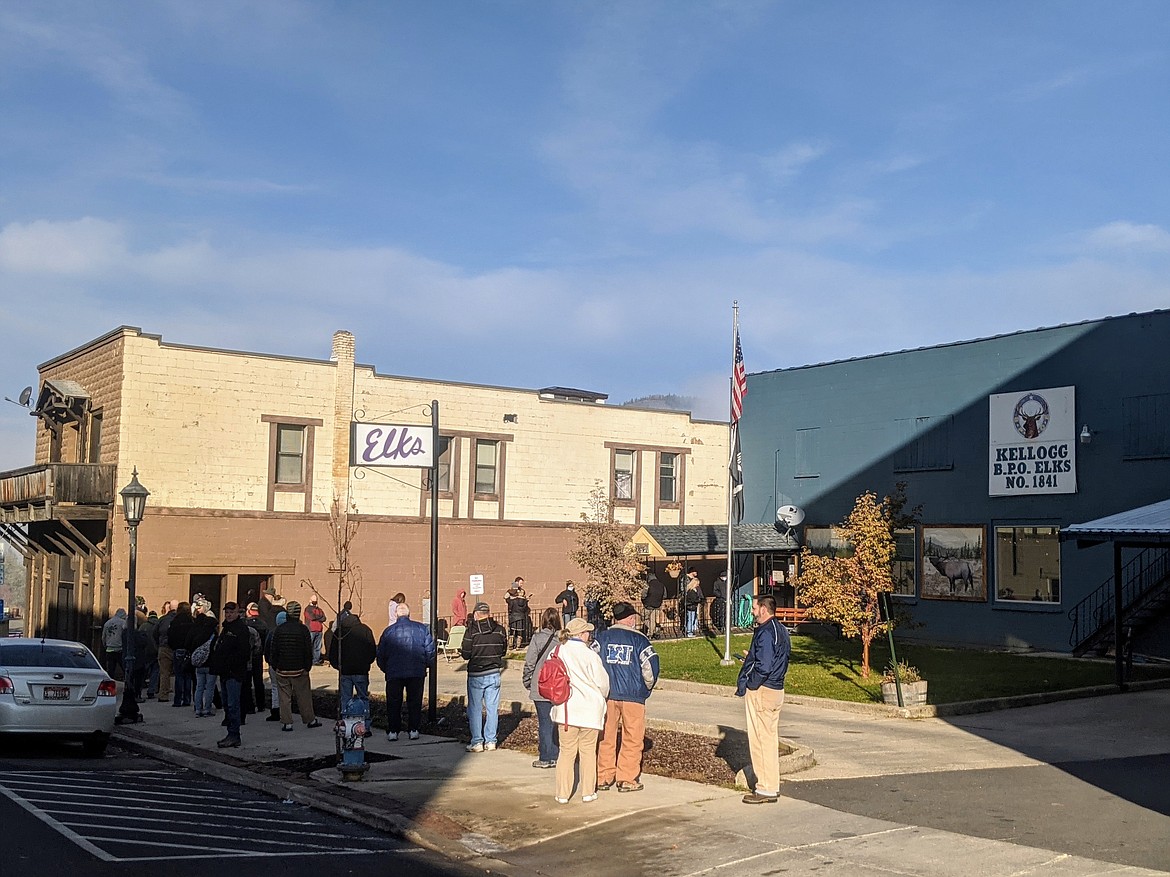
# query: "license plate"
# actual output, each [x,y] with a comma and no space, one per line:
[56,692]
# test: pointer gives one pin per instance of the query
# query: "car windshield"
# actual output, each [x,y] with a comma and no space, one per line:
[34,654]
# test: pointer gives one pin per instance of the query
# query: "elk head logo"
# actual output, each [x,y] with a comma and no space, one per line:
[1031,416]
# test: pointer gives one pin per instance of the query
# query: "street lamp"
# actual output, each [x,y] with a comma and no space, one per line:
[134,507]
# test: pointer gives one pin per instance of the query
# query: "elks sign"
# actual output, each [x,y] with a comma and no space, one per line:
[1032,442]
[386,444]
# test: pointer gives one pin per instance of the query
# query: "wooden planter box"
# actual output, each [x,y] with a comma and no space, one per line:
[913,693]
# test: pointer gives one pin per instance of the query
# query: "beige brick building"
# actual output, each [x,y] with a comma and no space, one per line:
[243,454]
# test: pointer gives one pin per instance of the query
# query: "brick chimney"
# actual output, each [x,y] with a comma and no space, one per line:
[343,349]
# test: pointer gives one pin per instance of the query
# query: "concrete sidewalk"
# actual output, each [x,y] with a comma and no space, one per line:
[494,809]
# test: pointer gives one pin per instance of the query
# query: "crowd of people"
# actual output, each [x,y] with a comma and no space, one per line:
[592,733]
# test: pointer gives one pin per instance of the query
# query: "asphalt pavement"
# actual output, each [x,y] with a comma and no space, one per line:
[1076,787]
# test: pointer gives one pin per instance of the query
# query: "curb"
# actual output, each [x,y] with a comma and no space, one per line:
[307,793]
[798,757]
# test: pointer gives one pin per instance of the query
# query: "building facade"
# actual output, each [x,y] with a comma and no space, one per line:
[1003,442]
[245,453]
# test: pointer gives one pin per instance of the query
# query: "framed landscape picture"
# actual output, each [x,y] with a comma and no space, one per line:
[953,563]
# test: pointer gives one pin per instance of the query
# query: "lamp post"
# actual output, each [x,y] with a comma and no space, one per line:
[134,507]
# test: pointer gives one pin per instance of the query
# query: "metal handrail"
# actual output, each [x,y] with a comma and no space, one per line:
[1138,577]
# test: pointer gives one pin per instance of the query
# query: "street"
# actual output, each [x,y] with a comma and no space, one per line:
[126,814]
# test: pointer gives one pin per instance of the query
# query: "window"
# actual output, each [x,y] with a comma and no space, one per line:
[1145,426]
[668,477]
[95,438]
[290,454]
[445,443]
[905,565]
[808,453]
[486,456]
[925,444]
[1027,564]
[623,476]
[827,542]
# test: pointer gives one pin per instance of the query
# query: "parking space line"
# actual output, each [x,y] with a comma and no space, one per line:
[197,819]
[57,826]
[248,838]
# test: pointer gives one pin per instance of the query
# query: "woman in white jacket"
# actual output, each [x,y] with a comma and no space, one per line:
[582,716]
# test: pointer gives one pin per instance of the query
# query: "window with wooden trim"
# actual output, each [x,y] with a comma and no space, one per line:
[668,477]
[94,438]
[487,456]
[290,454]
[623,476]
[446,443]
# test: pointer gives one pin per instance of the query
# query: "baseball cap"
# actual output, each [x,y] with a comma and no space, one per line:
[482,607]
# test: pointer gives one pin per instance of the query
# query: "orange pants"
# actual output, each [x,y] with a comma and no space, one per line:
[625,764]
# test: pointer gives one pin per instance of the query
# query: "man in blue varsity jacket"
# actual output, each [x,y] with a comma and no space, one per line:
[761,684]
[632,665]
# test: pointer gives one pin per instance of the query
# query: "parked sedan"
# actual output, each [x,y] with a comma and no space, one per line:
[56,688]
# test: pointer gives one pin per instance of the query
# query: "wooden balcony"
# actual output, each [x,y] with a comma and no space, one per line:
[56,490]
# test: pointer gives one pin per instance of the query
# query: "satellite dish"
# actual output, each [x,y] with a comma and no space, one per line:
[789,515]
[25,395]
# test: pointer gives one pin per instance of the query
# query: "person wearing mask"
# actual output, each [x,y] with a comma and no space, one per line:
[256,672]
[405,650]
[290,654]
[485,645]
[230,659]
[351,652]
[166,655]
[543,641]
[692,600]
[517,601]
[581,718]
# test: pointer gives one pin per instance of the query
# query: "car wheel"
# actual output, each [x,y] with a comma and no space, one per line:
[95,747]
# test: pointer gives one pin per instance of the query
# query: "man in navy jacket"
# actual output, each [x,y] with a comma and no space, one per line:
[405,651]
[632,666]
[761,684]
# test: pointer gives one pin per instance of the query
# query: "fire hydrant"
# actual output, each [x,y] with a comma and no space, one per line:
[351,742]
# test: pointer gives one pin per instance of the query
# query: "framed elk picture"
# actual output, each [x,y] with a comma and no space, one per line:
[953,563]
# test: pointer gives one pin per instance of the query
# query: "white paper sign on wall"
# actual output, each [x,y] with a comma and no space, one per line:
[476,585]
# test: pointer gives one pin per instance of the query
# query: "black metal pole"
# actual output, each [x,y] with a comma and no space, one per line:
[1118,641]
[433,690]
[129,713]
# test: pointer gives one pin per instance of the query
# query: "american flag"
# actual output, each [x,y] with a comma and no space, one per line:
[738,382]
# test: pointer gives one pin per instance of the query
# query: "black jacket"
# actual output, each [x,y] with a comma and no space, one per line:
[655,593]
[231,652]
[484,646]
[571,602]
[178,630]
[352,648]
[202,629]
[291,648]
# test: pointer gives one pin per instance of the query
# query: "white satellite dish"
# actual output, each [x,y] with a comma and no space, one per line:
[789,515]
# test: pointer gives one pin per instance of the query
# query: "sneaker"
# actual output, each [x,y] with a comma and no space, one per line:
[475,747]
[630,787]
[273,717]
[605,787]
[587,799]
[392,736]
[413,735]
[753,798]
[541,764]
[489,747]
[286,727]
[314,724]
[228,742]
[561,800]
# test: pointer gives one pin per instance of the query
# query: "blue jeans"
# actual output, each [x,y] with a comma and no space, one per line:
[546,731]
[567,617]
[692,621]
[231,706]
[152,679]
[356,686]
[204,690]
[316,637]
[182,680]
[483,693]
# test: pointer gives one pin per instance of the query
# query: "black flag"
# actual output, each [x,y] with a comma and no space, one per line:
[736,469]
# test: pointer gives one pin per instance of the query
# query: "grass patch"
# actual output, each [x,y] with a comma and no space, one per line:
[831,668]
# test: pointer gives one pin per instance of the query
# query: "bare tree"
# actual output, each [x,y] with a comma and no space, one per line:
[604,552]
[343,529]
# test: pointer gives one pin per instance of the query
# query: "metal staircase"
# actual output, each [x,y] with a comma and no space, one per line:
[1145,595]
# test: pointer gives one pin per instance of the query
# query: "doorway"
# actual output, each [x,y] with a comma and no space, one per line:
[250,587]
[210,586]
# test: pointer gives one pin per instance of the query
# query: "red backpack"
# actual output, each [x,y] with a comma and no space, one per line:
[553,681]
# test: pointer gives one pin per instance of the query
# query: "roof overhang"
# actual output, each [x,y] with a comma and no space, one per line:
[698,540]
[61,402]
[1144,527]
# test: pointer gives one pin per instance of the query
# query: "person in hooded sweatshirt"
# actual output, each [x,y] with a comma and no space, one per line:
[351,652]
[181,663]
[290,655]
[112,642]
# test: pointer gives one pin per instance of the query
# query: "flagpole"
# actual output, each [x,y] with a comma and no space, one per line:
[733,426]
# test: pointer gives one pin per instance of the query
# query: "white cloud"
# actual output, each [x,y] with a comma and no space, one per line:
[1131,236]
[82,247]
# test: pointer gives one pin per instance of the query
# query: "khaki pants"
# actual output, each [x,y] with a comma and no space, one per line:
[577,743]
[166,671]
[653,621]
[298,687]
[625,764]
[763,729]
[705,620]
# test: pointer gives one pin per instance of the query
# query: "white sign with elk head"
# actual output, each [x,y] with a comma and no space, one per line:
[1032,442]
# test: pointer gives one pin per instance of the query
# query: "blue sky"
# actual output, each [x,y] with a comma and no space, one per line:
[539,193]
